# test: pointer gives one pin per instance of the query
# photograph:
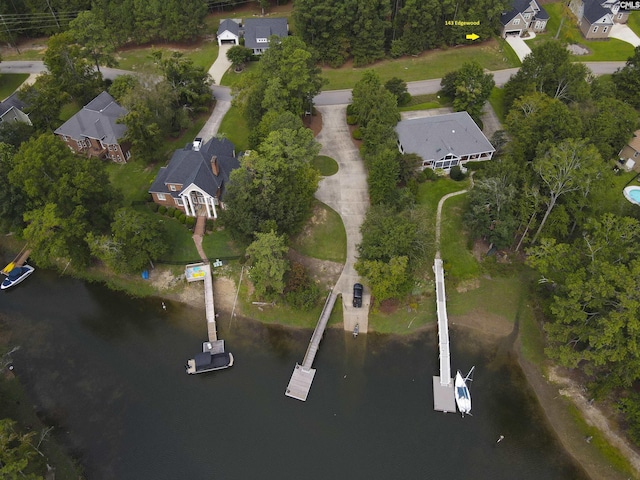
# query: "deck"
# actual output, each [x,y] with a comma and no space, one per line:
[208,304]
[443,394]
[302,375]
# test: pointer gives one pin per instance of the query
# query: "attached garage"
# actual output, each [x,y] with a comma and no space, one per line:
[513,33]
[228,32]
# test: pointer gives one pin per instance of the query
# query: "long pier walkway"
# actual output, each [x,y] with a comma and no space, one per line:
[443,394]
[210,312]
[302,376]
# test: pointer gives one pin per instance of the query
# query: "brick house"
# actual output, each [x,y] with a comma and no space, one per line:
[195,178]
[94,130]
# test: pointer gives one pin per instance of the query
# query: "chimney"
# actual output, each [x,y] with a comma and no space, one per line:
[214,165]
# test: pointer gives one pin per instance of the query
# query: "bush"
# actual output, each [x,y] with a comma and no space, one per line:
[404,99]
[357,134]
[171,211]
[210,225]
[154,207]
[352,119]
[456,173]
[177,213]
[427,174]
[162,209]
[183,218]
[191,221]
[350,110]
[300,291]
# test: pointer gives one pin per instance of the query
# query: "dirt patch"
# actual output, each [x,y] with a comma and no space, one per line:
[324,272]
[480,249]
[467,285]
[313,122]
[389,306]
[484,322]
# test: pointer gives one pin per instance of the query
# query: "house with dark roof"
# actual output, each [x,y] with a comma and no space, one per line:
[258,31]
[630,154]
[596,17]
[195,178]
[444,141]
[525,16]
[229,32]
[94,130]
[12,110]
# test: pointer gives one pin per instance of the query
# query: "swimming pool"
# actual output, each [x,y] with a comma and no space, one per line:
[632,194]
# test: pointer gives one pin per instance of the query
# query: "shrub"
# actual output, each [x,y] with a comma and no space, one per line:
[351,110]
[404,99]
[177,213]
[456,173]
[182,217]
[162,209]
[191,221]
[352,119]
[300,291]
[427,174]
[210,225]
[154,207]
[357,134]
[171,211]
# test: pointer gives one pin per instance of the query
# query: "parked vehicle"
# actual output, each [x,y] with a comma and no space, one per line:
[357,295]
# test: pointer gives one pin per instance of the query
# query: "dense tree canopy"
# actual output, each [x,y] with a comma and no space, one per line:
[17,452]
[469,87]
[268,263]
[595,302]
[627,80]
[90,32]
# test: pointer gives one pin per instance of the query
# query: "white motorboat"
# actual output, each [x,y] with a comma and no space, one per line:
[16,275]
[462,393]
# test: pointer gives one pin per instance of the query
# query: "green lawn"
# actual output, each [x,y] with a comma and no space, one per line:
[430,193]
[13,55]
[133,179]
[234,127]
[634,22]
[139,59]
[219,244]
[406,319]
[324,236]
[459,262]
[430,64]
[426,102]
[496,99]
[9,83]
[611,49]
[181,246]
[230,78]
[327,166]
[68,110]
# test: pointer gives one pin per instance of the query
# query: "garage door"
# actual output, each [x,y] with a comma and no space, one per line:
[513,33]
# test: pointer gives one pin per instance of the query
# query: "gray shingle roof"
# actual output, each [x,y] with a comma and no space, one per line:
[230,25]
[96,120]
[594,11]
[189,166]
[263,28]
[520,6]
[12,101]
[432,138]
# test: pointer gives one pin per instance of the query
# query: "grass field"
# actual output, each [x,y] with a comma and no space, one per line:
[133,179]
[139,59]
[496,99]
[601,50]
[219,244]
[234,127]
[327,166]
[324,239]
[431,64]
[10,82]
[426,102]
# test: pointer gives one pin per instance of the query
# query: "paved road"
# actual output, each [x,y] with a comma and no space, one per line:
[347,193]
[332,97]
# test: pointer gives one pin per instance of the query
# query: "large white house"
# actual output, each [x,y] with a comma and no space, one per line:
[444,141]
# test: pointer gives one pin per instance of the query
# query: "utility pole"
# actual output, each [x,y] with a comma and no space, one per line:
[10,40]
[54,15]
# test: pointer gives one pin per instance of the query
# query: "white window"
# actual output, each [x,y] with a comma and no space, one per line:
[128,155]
[110,147]
[161,197]
[595,29]
[172,187]
[635,155]
[119,158]
[539,25]
[261,40]
[526,16]
[516,21]
[604,29]
[620,15]
[178,201]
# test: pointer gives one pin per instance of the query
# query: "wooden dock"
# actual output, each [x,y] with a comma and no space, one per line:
[302,376]
[443,394]
[208,304]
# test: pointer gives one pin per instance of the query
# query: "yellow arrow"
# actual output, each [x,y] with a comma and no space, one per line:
[472,36]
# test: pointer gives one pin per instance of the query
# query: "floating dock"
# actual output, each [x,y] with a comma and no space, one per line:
[302,376]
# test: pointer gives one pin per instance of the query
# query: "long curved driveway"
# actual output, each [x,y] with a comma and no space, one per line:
[347,193]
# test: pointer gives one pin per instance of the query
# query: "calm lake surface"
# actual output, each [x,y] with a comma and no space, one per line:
[109,371]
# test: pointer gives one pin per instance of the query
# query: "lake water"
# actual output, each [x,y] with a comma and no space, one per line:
[109,372]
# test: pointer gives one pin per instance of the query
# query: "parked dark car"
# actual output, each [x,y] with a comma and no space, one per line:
[357,295]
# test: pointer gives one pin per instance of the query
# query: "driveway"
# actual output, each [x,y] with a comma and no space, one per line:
[624,33]
[519,46]
[221,65]
[346,192]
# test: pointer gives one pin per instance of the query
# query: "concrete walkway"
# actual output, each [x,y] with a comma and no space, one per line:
[624,33]
[221,65]
[519,46]
[347,193]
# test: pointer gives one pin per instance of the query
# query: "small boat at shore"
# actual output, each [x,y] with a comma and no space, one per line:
[16,275]
[462,393]
[213,357]
[356,330]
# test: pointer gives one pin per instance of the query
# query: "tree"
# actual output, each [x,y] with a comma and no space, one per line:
[398,87]
[122,86]
[372,102]
[70,69]
[238,56]
[268,263]
[12,198]
[595,304]
[627,80]
[137,239]
[15,133]
[608,124]
[565,168]
[44,101]
[274,187]
[383,173]
[16,452]
[88,31]
[469,87]
[387,279]
[549,70]
[537,121]
[190,83]
[368,30]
